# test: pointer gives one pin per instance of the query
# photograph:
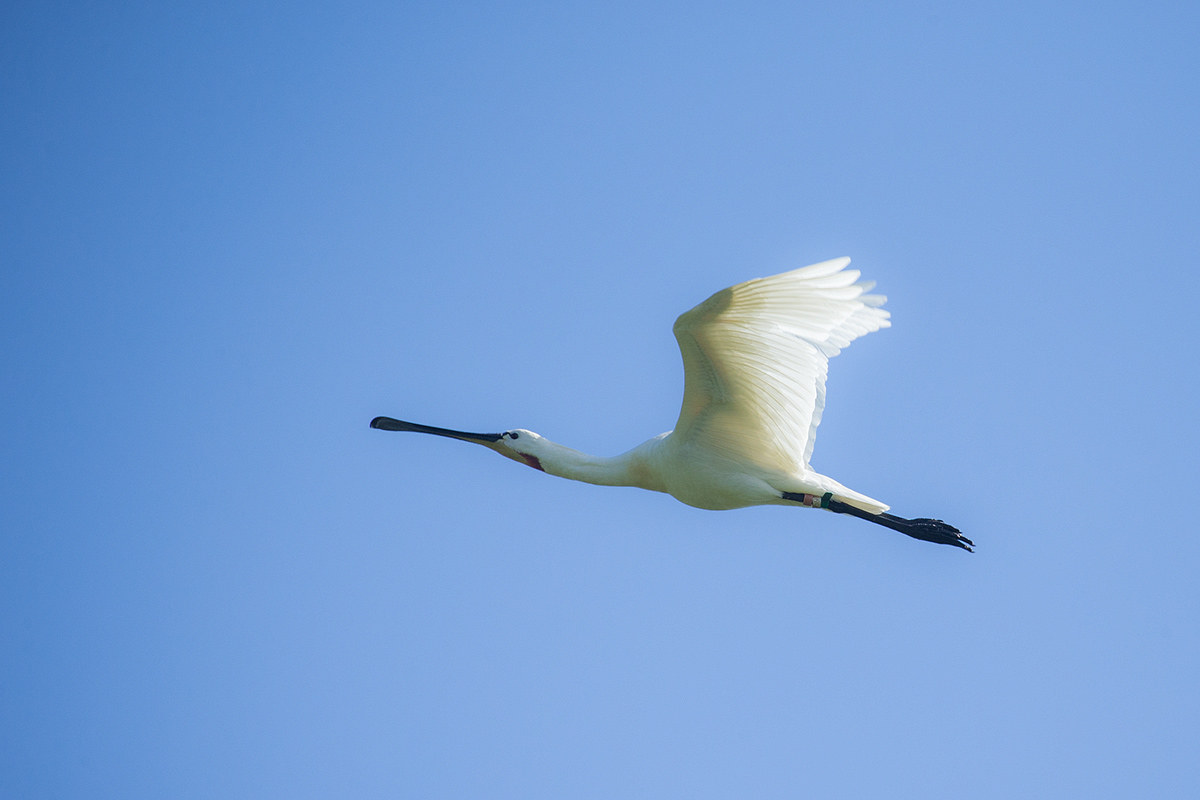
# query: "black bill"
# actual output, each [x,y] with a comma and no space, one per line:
[389,424]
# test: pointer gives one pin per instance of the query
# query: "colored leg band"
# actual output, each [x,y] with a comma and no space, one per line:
[812,501]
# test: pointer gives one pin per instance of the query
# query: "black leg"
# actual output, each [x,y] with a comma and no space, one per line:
[927,530]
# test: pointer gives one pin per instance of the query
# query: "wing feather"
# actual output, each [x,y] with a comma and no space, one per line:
[755,357]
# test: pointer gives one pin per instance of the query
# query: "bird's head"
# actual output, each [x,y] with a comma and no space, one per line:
[522,445]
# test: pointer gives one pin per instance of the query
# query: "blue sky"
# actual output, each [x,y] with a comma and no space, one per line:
[232,234]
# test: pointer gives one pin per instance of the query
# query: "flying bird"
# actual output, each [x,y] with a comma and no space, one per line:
[755,357]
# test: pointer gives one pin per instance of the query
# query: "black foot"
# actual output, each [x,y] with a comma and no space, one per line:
[929,530]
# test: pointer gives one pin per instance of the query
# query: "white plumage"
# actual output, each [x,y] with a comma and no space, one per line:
[755,358]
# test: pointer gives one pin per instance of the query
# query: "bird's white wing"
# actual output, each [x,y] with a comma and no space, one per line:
[755,357]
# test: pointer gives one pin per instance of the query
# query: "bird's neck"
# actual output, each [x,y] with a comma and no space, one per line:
[634,468]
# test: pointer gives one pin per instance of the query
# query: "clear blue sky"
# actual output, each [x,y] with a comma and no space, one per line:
[231,234]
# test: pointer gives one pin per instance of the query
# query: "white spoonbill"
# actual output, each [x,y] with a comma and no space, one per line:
[755,357]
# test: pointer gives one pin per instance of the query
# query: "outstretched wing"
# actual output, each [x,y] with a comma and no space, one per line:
[755,357]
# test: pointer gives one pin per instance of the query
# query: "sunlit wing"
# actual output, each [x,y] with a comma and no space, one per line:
[755,357]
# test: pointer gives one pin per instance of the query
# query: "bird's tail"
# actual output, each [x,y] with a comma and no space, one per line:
[828,489]
[861,501]
[849,496]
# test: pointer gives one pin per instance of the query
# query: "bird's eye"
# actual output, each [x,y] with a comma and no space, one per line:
[515,435]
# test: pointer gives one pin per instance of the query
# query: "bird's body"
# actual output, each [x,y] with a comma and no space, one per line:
[755,357]
[692,474]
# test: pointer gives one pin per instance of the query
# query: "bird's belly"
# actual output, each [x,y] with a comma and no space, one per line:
[714,489]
